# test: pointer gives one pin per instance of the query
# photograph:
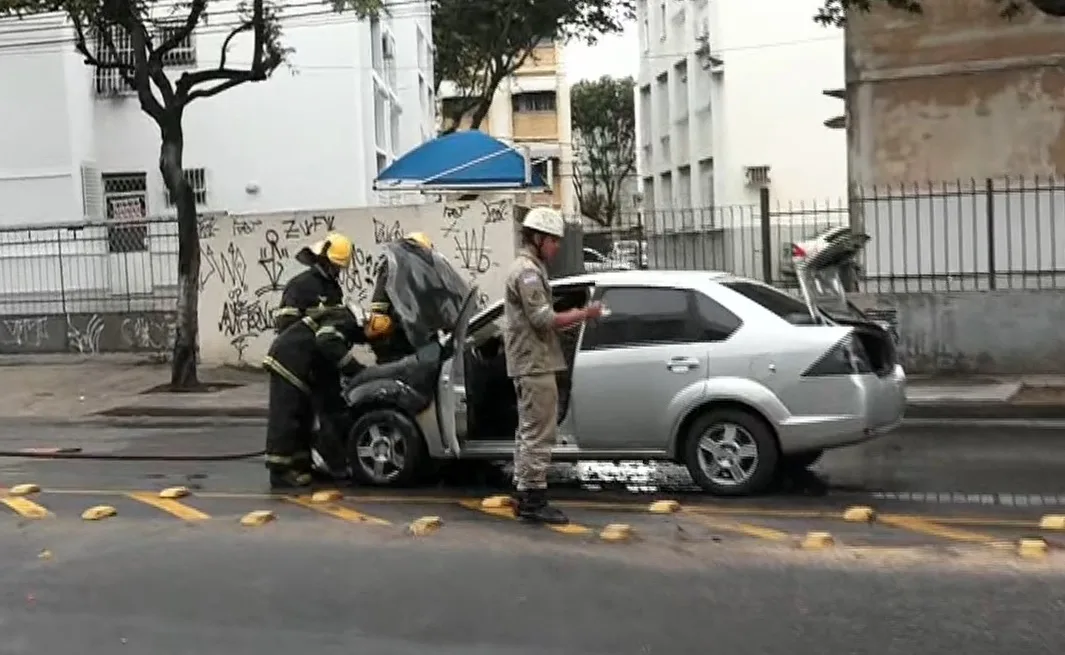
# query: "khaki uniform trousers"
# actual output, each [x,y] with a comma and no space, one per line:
[537,429]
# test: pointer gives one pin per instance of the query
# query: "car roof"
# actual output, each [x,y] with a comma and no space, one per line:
[648,278]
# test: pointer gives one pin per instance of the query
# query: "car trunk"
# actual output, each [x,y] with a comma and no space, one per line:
[821,267]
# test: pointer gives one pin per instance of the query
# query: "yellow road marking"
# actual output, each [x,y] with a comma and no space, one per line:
[635,506]
[508,513]
[335,510]
[25,507]
[927,527]
[747,529]
[172,507]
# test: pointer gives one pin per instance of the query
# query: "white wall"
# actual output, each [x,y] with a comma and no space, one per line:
[244,269]
[764,106]
[39,143]
[304,138]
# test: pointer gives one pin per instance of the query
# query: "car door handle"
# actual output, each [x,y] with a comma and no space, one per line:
[682,364]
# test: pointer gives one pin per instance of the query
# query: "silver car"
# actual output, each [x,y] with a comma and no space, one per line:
[728,376]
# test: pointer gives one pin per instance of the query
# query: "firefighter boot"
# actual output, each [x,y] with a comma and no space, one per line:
[532,507]
[281,479]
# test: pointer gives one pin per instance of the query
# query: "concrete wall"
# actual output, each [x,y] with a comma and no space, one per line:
[1006,332]
[248,259]
[957,92]
[87,333]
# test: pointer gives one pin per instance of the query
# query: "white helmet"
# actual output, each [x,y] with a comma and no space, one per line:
[546,220]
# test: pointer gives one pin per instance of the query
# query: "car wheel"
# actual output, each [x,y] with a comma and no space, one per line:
[385,448]
[800,461]
[731,452]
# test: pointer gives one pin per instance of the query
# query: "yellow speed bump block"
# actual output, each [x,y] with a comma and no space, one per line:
[173,493]
[859,514]
[1032,548]
[23,489]
[326,496]
[818,541]
[426,525]
[98,513]
[664,507]
[617,532]
[497,502]
[257,518]
[1052,522]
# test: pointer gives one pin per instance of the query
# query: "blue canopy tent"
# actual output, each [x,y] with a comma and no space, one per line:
[469,160]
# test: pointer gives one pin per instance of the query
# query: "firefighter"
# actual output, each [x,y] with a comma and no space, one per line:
[383,329]
[534,357]
[305,363]
[318,287]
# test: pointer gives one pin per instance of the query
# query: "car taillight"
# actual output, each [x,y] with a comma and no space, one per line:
[845,358]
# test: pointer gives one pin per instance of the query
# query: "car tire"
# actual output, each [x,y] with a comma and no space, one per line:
[394,440]
[751,429]
[800,461]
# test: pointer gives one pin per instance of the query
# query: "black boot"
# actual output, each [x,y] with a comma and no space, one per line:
[286,479]
[532,507]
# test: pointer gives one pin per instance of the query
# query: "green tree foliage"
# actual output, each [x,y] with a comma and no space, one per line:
[834,12]
[479,43]
[604,125]
[155,28]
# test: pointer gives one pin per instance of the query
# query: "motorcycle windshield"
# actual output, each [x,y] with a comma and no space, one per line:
[424,289]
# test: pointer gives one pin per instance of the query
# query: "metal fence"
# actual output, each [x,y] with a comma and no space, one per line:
[89,286]
[957,236]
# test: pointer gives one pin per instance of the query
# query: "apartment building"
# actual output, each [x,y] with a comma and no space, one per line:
[74,142]
[531,109]
[731,98]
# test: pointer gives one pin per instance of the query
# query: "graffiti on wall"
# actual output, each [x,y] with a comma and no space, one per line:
[246,262]
[88,333]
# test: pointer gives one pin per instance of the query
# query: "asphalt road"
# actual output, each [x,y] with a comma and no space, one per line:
[925,463]
[178,576]
[143,588]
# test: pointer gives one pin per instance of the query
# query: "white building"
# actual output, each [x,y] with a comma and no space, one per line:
[74,142]
[730,99]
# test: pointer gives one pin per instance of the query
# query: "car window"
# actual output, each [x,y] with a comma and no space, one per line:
[775,301]
[714,321]
[641,316]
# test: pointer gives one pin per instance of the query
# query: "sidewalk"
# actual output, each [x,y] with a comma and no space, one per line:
[65,387]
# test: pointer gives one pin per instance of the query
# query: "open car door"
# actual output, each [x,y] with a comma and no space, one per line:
[451,387]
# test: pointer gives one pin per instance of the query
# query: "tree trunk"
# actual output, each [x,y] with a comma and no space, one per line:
[186,351]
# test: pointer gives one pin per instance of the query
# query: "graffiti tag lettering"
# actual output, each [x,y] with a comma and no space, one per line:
[495,211]
[383,233]
[453,219]
[472,252]
[301,228]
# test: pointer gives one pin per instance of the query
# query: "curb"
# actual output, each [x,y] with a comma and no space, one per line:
[981,410]
[184,412]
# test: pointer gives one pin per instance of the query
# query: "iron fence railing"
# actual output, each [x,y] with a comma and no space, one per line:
[89,286]
[956,236]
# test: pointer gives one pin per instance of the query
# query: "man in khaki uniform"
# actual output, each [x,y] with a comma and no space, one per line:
[534,356]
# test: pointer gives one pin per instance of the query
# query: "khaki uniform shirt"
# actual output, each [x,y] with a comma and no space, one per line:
[530,339]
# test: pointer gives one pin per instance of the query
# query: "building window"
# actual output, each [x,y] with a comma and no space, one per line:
[184,54]
[662,21]
[109,81]
[197,179]
[535,101]
[126,200]
[381,116]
